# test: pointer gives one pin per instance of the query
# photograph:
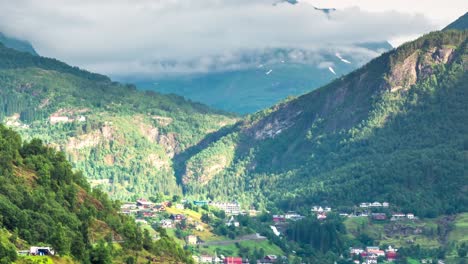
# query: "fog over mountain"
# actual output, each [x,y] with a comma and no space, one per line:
[151,38]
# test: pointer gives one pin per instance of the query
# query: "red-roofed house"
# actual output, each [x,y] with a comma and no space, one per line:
[232,260]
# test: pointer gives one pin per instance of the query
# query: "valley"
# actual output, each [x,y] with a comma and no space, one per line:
[369,168]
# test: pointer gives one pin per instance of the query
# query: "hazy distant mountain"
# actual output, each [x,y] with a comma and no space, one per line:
[272,76]
[17,44]
[276,75]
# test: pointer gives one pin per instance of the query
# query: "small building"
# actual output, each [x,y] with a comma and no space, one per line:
[144,203]
[385,204]
[410,216]
[379,216]
[205,259]
[141,221]
[200,203]
[177,217]
[166,223]
[231,208]
[356,251]
[279,218]
[397,216]
[321,216]
[232,222]
[364,205]
[375,204]
[41,251]
[191,240]
[232,260]
[179,206]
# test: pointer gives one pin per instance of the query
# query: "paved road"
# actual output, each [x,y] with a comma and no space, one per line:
[256,237]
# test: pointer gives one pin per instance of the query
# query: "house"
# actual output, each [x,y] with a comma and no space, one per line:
[231,208]
[371,259]
[385,204]
[232,260]
[279,218]
[364,205]
[179,206]
[41,251]
[375,204]
[356,251]
[177,217]
[293,216]
[397,216]
[410,216]
[200,203]
[232,222]
[321,216]
[391,253]
[268,259]
[205,259]
[191,240]
[141,221]
[327,209]
[128,206]
[166,223]
[144,203]
[379,216]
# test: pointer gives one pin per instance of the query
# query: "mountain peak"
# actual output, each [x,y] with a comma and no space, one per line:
[19,45]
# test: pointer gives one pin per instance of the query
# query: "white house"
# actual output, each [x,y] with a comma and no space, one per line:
[410,216]
[41,251]
[385,204]
[376,204]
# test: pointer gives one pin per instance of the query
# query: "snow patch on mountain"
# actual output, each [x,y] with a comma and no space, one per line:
[332,70]
[342,59]
[268,72]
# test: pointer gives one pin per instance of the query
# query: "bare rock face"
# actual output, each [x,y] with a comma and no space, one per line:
[169,143]
[417,66]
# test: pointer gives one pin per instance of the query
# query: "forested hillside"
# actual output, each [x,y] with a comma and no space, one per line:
[459,24]
[17,44]
[44,202]
[121,139]
[393,130]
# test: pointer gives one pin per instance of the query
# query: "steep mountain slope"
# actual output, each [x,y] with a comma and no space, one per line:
[393,130]
[44,202]
[120,138]
[276,75]
[16,44]
[459,24]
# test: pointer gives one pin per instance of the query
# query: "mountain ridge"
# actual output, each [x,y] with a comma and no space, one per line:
[300,136]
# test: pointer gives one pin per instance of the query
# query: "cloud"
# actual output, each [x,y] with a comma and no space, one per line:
[154,37]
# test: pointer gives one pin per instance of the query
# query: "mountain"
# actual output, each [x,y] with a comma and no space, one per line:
[272,76]
[460,24]
[44,202]
[17,44]
[393,131]
[122,139]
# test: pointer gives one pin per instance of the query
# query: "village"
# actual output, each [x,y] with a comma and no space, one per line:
[191,227]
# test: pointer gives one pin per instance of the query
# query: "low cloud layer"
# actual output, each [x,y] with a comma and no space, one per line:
[154,37]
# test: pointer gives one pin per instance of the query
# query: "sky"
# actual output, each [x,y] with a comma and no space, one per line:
[154,37]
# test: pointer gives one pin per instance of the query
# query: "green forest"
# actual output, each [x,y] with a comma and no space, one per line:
[44,202]
[379,133]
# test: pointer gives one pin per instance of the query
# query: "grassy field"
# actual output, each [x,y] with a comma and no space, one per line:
[460,229]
